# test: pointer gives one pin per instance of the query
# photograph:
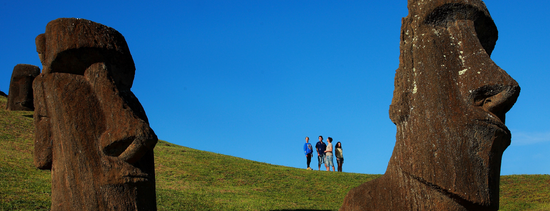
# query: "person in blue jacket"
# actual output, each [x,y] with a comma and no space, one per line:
[308,150]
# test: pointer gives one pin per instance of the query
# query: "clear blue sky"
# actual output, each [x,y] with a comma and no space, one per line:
[251,79]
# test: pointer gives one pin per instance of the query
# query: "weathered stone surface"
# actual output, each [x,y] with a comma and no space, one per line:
[449,106]
[90,129]
[20,93]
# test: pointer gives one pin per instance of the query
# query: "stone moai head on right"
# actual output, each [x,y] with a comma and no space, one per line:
[90,129]
[450,99]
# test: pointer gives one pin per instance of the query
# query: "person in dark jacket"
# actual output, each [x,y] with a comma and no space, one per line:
[321,147]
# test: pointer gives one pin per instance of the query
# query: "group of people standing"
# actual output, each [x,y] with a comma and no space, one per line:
[325,153]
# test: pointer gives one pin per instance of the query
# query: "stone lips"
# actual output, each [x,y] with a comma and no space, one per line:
[90,129]
[20,93]
[449,106]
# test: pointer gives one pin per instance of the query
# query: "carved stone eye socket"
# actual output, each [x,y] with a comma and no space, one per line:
[77,61]
[486,29]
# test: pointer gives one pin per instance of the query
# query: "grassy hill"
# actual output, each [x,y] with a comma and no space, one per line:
[189,179]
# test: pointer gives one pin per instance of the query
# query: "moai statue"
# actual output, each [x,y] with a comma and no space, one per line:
[449,105]
[90,129]
[20,93]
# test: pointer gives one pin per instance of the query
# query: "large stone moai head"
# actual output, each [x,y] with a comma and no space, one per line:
[90,129]
[449,106]
[20,93]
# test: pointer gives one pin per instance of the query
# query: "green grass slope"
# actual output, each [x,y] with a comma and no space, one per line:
[189,179]
[192,179]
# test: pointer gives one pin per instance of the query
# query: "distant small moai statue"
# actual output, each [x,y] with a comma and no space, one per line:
[90,129]
[449,106]
[20,93]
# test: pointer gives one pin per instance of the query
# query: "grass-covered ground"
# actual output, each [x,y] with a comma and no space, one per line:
[189,179]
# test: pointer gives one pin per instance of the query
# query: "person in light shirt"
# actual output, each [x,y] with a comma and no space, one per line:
[329,156]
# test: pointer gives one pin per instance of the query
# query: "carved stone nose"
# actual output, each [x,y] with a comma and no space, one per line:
[496,99]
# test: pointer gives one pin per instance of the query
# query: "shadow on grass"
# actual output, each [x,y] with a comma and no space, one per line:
[28,116]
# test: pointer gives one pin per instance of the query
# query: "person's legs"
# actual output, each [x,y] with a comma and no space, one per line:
[339,161]
[321,160]
[341,164]
[330,162]
[308,159]
[327,162]
[324,160]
